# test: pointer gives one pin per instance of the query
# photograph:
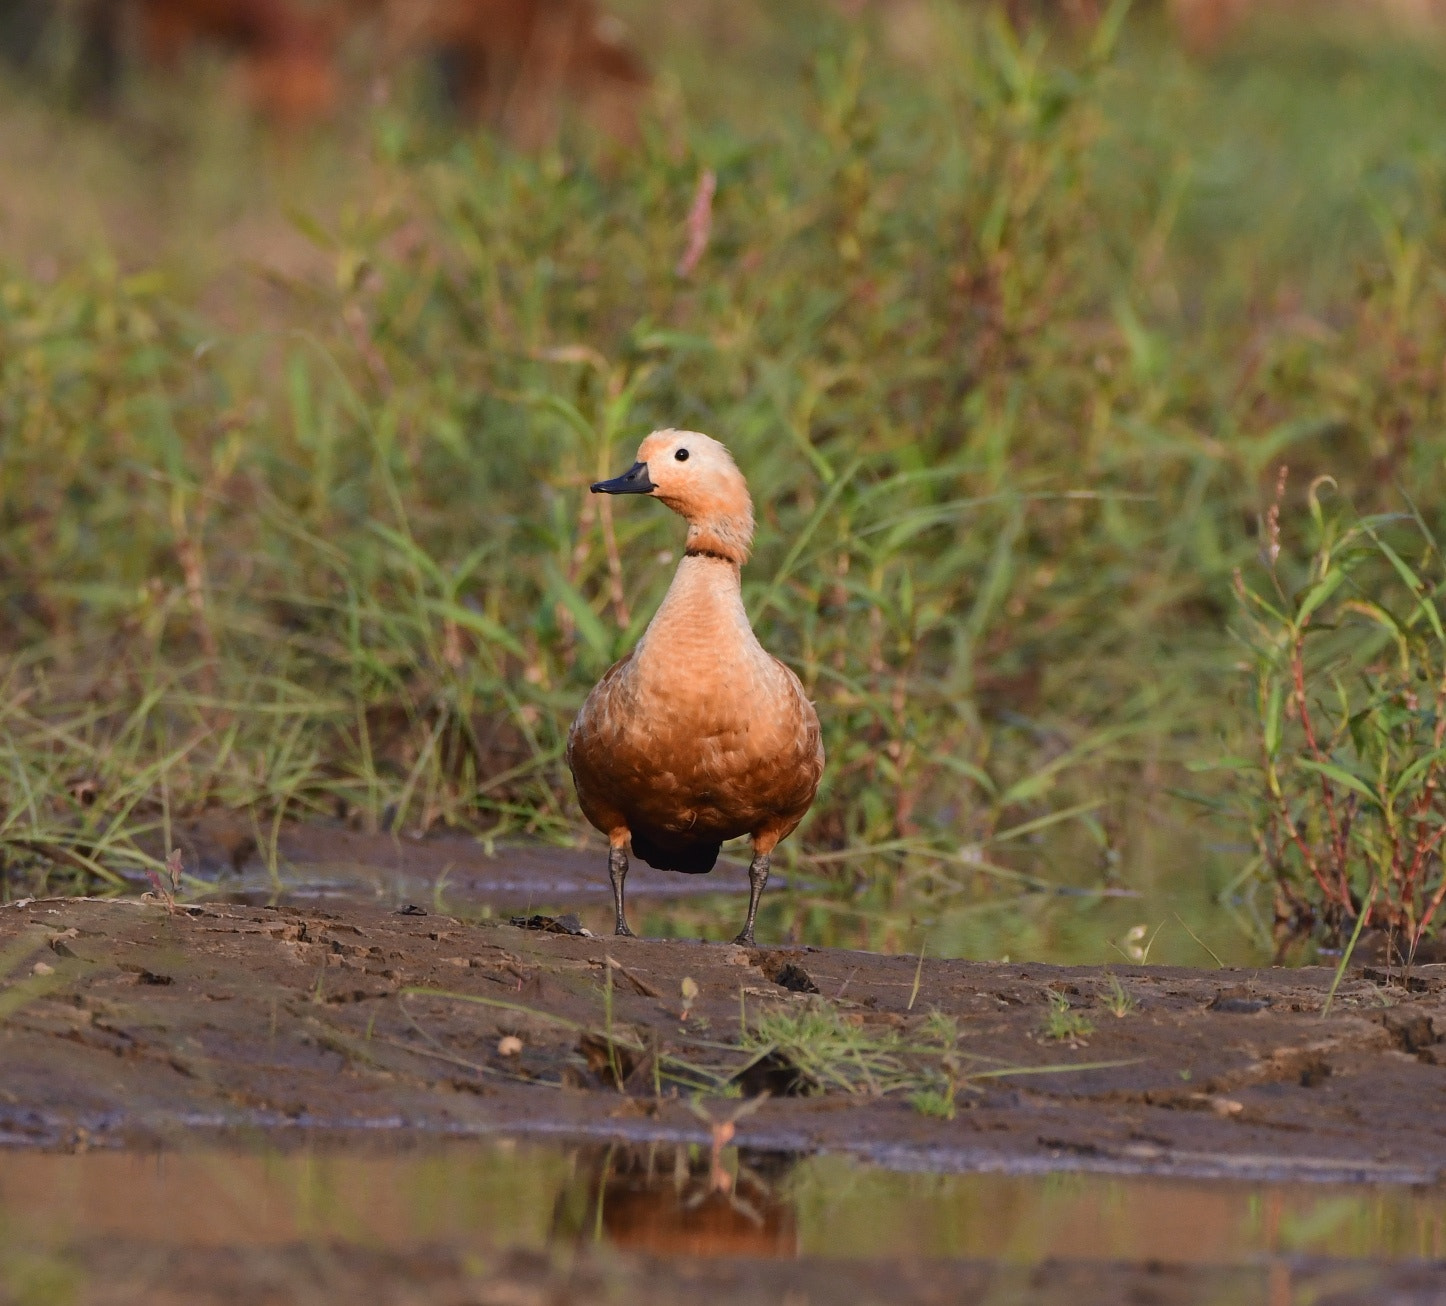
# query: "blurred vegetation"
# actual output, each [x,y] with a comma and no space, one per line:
[1344,788]
[1010,336]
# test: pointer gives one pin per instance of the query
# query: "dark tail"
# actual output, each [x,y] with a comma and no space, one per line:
[691,859]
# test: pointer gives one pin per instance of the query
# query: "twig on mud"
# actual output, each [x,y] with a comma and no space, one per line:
[642,986]
[341,1041]
[1056,1068]
[439,1052]
[520,1007]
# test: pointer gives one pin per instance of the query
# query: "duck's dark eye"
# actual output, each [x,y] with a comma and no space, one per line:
[681,455]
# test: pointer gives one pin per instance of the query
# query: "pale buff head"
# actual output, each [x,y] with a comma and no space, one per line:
[697,478]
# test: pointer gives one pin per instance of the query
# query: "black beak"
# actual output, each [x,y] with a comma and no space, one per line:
[633,481]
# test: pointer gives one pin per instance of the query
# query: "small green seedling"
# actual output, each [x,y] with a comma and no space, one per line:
[1116,1001]
[1064,1024]
[933,1102]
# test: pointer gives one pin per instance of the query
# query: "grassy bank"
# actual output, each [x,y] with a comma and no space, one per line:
[1009,340]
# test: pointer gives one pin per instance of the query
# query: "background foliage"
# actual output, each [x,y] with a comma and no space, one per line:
[1009,335]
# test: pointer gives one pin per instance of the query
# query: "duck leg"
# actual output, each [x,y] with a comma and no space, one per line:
[618,874]
[757,878]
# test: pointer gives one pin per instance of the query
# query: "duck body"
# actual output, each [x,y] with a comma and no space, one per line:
[699,735]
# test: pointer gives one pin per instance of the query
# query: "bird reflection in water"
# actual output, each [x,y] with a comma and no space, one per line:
[666,1200]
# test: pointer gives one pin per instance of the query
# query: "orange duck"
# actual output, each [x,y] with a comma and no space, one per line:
[699,734]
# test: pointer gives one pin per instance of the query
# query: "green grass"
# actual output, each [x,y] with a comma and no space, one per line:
[1009,339]
[1063,1024]
[1116,1000]
[816,1046]
[1342,787]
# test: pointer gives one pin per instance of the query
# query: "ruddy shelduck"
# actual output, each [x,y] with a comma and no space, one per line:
[699,734]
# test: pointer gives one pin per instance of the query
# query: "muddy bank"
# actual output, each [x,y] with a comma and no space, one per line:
[107,1274]
[126,1023]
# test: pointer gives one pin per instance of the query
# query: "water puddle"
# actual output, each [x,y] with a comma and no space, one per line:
[670,1201]
[1170,907]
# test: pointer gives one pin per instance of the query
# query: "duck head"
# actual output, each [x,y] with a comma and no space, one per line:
[697,478]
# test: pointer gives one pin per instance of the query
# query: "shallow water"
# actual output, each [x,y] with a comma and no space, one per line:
[1169,901]
[481,1196]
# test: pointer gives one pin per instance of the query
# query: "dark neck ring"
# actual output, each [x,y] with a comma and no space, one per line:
[706,553]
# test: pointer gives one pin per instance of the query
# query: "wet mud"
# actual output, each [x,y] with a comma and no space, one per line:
[126,1023]
[108,1274]
[167,1074]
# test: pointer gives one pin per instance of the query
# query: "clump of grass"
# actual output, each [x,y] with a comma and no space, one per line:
[831,1050]
[1116,1000]
[1063,1024]
[935,1102]
[838,1051]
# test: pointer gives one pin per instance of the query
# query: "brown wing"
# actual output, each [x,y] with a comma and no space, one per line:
[795,779]
[591,745]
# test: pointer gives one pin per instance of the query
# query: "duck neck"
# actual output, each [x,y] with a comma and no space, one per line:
[711,550]
[701,613]
[724,538]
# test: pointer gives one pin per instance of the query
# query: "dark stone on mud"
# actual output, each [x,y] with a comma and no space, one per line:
[795,979]
[1238,1004]
[786,974]
[411,909]
[775,1074]
[610,1062]
[144,976]
[569,924]
[1413,1030]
